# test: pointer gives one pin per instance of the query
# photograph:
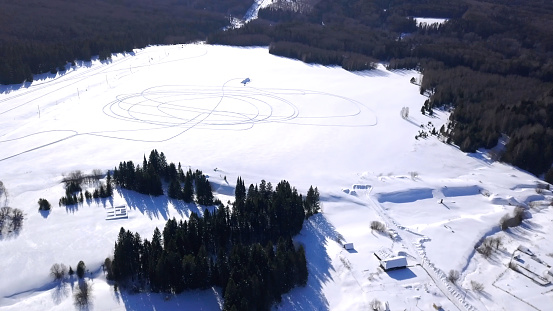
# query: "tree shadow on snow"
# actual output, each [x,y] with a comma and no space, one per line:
[152,206]
[60,292]
[45,214]
[209,299]
[317,232]
[185,209]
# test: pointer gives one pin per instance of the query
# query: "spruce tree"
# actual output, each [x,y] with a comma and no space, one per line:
[81,268]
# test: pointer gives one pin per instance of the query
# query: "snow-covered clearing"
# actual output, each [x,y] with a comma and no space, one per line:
[426,21]
[311,125]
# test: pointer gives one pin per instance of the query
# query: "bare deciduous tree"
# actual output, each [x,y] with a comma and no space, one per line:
[375,305]
[83,294]
[453,276]
[76,176]
[477,286]
[17,219]
[58,271]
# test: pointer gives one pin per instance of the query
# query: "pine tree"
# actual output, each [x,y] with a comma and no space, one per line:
[188,190]
[231,295]
[109,187]
[81,268]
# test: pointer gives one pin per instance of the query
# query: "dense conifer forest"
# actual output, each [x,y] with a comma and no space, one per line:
[245,247]
[38,36]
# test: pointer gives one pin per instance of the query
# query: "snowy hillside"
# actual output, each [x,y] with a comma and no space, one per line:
[311,125]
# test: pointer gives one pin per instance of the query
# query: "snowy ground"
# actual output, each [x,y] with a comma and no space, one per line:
[310,125]
[423,21]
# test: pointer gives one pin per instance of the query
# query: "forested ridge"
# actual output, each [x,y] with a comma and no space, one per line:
[245,247]
[492,61]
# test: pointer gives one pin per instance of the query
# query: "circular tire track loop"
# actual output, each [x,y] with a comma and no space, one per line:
[169,100]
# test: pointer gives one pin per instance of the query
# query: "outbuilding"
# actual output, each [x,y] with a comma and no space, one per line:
[396,262]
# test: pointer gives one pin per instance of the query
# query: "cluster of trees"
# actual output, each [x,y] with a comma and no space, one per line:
[74,191]
[231,247]
[183,186]
[59,271]
[11,220]
[488,245]
[83,292]
[147,179]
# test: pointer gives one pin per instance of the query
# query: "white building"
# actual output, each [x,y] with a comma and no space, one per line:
[396,262]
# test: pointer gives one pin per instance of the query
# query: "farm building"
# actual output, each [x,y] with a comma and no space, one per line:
[396,262]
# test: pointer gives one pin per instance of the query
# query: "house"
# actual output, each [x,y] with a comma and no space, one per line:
[396,262]
[348,246]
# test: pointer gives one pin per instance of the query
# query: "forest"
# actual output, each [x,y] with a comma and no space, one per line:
[245,247]
[39,36]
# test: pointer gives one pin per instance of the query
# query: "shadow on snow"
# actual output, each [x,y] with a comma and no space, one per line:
[317,232]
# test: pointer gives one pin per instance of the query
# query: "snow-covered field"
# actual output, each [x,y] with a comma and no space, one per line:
[311,125]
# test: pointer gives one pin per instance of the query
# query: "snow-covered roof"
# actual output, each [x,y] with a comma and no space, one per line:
[393,262]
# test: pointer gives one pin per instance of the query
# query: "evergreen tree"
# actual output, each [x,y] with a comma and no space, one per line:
[174,190]
[81,268]
[188,190]
[231,295]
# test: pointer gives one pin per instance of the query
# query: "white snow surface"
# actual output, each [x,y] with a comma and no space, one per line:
[308,124]
[423,21]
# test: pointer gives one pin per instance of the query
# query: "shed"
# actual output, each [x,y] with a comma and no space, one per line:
[348,246]
[396,262]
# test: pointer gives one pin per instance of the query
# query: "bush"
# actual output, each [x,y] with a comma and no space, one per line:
[453,276]
[378,226]
[43,205]
[504,222]
[487,246]
[518,216]
[476,286]
[485,249]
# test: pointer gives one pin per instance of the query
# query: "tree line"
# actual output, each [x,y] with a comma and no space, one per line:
[232,247]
